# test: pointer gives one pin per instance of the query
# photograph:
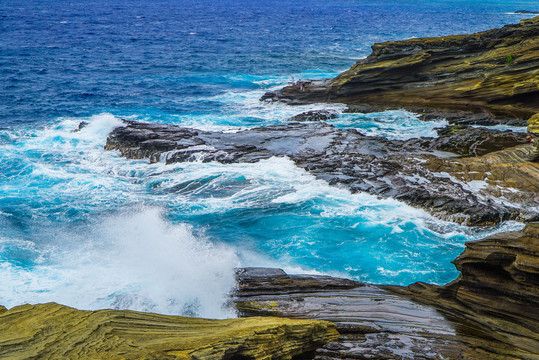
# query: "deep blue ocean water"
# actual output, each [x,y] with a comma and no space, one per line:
[84,227]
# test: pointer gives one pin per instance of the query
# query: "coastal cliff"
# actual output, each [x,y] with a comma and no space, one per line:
[498,289]
[489,312]
[494,72]
[52,331]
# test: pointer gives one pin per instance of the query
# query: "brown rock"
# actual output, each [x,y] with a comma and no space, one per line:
[494,72]
[498,290]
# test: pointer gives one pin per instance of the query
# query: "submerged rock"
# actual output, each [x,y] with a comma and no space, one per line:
[493,72]
[52,331]
[416,171]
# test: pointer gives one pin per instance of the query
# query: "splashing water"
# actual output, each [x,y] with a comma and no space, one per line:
[135,261]
[77,219]
[81,226]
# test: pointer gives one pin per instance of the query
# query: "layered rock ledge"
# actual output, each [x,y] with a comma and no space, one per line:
[432,173]
[495,72]
[498,289]
[489,312]
[52,331]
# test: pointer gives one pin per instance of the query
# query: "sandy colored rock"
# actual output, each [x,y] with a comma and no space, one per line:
[52,331]
[506,176]
[533,124]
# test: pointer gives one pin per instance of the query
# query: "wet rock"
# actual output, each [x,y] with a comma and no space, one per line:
[314,115]
[492,72]
[406,170]
[476,141]
[52,331]
[528,12]
[81,126]
[373,323]
[256,280]
[498,289]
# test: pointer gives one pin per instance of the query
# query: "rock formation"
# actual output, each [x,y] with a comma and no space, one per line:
[494,72]
[497,290]
[314,115]
[420,172]
[489,312]
[52,331]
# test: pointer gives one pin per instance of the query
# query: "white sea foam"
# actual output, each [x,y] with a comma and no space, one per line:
[518,129]
[132,261]
[140,259]
[392,124]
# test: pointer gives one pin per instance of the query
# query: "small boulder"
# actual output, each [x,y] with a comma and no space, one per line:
[315,115]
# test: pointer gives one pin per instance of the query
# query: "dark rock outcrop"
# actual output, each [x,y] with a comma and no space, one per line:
[476,141]
[314,115]
[405,170]
[373,323]
[494,72]
[527,12]
[52,331]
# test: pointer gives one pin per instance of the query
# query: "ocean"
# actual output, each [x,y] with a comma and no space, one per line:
[86,228]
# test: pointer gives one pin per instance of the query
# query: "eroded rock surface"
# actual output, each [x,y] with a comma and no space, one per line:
[345,157]
[52,331]
[314,115]
[497,290]
[495,72]
[373,323]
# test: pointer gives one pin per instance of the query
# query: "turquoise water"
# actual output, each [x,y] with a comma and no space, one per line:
[81,226]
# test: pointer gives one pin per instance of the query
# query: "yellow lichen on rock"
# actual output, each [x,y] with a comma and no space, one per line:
[533,124]
[52,331]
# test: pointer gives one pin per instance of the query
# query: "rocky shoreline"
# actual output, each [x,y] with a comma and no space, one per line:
[474,176]
[431,173]
[493,73]
[489,312]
